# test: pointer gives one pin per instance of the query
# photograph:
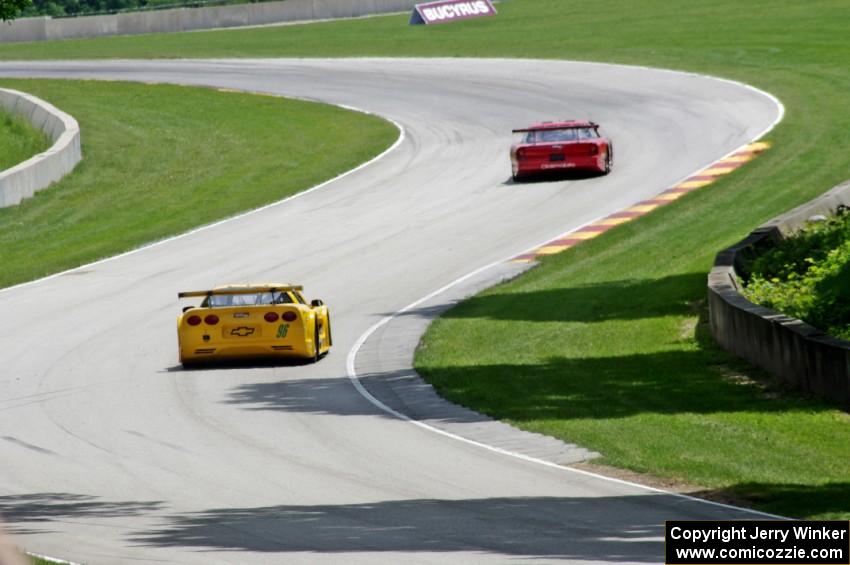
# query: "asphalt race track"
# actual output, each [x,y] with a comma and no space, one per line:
[110,453]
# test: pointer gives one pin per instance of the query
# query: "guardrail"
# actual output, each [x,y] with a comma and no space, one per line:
[40,171]
[795,352]
[188,19]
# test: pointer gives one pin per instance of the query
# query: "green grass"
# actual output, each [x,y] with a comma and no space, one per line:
[598,348]
[757,34]
[159,160]
[604,345]
[18,140]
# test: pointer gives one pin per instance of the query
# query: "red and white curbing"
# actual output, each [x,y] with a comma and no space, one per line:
[694,182]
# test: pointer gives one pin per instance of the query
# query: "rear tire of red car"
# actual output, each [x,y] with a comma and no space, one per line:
[609,162]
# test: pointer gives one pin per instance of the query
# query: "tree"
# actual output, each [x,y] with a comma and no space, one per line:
[11,8]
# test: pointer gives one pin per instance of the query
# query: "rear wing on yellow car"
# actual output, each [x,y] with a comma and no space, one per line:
[241,290]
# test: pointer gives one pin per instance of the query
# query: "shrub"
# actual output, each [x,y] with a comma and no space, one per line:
[808,276]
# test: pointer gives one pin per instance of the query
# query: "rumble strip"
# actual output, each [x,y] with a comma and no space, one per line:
[696,181]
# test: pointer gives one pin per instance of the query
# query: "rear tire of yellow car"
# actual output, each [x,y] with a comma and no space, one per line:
[318,350]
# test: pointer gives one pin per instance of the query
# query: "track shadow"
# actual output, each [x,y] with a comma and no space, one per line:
[336,396]
[620,529]
[333,395]
[554,176]
[241,364]
[613,300]
[669,382]
[46,507]
[830,501]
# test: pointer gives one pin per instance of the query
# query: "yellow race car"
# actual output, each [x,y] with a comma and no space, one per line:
[252,321]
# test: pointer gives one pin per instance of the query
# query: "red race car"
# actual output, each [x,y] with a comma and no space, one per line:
[561,146]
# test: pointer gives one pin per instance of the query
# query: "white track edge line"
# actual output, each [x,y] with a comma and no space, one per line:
[355,380]
[401,137]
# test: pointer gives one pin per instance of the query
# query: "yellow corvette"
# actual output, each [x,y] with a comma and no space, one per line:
[252,321]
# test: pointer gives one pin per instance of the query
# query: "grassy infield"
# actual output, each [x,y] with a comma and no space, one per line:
[606,344]
[162,159]
[18,140]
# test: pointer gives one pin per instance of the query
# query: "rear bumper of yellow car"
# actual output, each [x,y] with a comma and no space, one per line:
[199,354]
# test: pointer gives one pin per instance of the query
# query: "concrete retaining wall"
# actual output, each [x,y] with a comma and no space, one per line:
[798,354]
[66,28]
[42,170]
[24,29]
[188,19]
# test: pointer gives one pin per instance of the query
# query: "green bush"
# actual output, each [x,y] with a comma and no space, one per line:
[808,276]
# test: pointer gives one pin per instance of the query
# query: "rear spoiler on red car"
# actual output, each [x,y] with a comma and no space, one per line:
[545,127]
[244,290]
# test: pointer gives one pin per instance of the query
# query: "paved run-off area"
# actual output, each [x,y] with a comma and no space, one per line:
[119,456]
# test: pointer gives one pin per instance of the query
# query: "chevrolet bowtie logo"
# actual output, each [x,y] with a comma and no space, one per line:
[242,331]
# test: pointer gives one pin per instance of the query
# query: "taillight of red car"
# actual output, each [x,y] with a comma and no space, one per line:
[520,154]
[593,150]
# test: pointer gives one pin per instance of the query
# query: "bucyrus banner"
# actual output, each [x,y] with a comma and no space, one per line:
[445,11]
